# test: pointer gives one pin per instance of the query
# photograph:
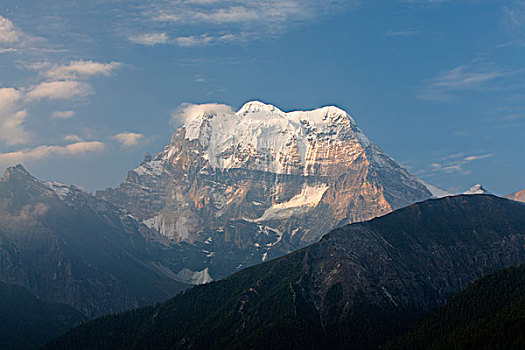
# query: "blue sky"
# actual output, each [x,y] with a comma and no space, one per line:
[87,87]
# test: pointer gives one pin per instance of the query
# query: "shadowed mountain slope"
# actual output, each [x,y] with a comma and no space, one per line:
[27,322]
[66,246]
[361,285]
[488,314]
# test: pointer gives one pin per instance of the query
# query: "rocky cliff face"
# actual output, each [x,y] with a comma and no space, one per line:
[258,183]
[67,246]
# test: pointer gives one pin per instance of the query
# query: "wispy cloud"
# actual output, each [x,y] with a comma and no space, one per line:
[81,69]
[63,114]
[234,14]
[8,33]
[42,152]
[454,163]
[203,22]
[129,139]
[187,41]
[463,78]
[149,39]
[56,90]
[72,138]
[13,39]
[251,12]
[480,157]
[152,39]
[53,81]
[187,111]
[12,117]
[63,81]
[198,78]
[514,17]
[402,33]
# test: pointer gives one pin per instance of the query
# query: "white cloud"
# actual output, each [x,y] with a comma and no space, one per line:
[194,40]
[15,40]
[480,157]
[149,39]
[72,138]
[251,12]
[204,39]
[42,152]
[188,111]
[402,33]
[186,21]
[12,117]
[129,139]
[234,14]
[81,69]
[514,16]
[9,50]
[455,163]
[198,79]
[54,90]
[8,33]
[463,78]
[63,114]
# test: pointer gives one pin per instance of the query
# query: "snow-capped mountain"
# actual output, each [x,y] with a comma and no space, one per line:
[476,189]
[257,183]
[517,196]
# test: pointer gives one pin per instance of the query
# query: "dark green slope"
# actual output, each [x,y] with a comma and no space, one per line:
[488,314]
[358,287]
[27,322]
[216,315]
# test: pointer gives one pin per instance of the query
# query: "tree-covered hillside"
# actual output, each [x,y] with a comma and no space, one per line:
[27,322]
[488,314]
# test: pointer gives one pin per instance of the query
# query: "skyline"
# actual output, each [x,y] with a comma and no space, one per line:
[83,97]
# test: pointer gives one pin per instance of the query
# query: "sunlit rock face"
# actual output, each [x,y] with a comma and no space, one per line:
[517,196]
[254,184]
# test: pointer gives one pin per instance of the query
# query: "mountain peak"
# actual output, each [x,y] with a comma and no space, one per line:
[334,110]
[16,172]
[258,106]
[477,189]
[270,139]
[318,114]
